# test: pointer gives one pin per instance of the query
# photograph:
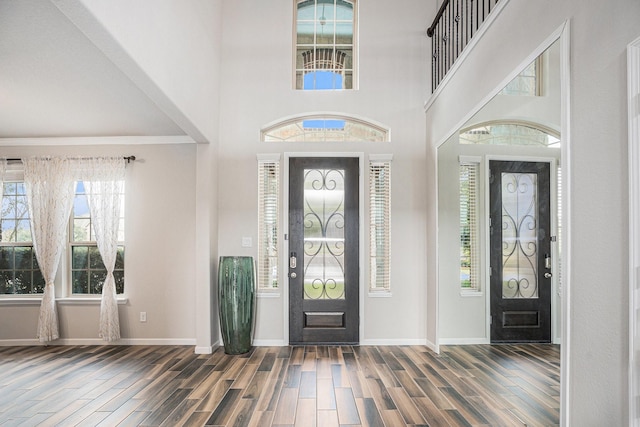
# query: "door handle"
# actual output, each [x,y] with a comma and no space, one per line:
[293,260]
[547,275]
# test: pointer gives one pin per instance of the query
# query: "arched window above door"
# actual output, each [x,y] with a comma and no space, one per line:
[324,127]
[510,133]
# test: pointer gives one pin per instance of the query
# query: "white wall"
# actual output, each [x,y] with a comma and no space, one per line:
[257,89]
[595,354]
[159,255]
[168,48]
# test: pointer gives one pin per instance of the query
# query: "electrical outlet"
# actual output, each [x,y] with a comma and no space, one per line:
[247,242]
[143,316]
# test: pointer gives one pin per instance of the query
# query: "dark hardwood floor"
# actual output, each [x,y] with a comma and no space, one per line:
[477,385]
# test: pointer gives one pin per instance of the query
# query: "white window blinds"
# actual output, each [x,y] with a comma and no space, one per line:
[469,233]
[379,224]
[268,185]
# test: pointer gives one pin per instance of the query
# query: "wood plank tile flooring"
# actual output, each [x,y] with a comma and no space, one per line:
[476,385]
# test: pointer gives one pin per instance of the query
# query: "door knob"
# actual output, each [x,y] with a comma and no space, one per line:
[293,275]
[547,275]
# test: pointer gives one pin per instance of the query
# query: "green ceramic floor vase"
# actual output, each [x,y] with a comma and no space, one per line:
[236,300]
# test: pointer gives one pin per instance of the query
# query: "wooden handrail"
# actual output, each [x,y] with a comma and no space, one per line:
[433,26]
[451,31]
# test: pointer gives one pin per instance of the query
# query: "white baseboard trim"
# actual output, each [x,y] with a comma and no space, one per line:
[463,341]
[205,349]
[408,341]
[98,341]
[269,343]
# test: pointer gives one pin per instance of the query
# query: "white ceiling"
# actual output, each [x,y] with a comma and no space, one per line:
[54,82]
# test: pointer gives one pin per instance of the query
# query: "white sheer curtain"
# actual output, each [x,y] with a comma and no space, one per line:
[49,188]
[104,186]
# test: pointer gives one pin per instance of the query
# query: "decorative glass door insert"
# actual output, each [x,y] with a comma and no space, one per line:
[519,235]
[324,234]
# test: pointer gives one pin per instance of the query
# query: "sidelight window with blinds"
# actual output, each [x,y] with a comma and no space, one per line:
[469,232]
[268,201]
[379,223]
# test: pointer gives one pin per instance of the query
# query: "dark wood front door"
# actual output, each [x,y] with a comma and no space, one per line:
[520,251]
[323,250]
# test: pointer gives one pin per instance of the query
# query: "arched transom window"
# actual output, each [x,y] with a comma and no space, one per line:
[324,128]
[510,133]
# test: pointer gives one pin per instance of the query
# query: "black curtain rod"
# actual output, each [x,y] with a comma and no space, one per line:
[129,159]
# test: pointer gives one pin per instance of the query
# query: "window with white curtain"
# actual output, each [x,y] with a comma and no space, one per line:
[88,271]
[469,232]
[19,271]
[379,223]
[268,213]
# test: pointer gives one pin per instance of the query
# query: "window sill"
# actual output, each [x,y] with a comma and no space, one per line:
[471,294]
[268,294]
[380,294]
[87,300]
[37,300]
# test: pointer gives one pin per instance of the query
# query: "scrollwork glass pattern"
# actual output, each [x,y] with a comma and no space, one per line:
[324,234]
[519,235]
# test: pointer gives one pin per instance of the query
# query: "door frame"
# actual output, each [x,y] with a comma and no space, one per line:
[553,194]
[285,226]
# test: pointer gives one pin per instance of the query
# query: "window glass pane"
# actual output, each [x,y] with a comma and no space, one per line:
[79,257]
[81,229]
[324,33]
[22,283]
[305,33]
[81,206]
[23,257]
[8,230]
[23,230]
[6,285]
[80,282]
[120,259]
[306,10]
[10,188]
[8,206]
[344,33]
[509,134]
[344,11]
[96,280]
[38,281]
[314,128]
[6,258]
[95,260]
[325,11]
[119,276]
